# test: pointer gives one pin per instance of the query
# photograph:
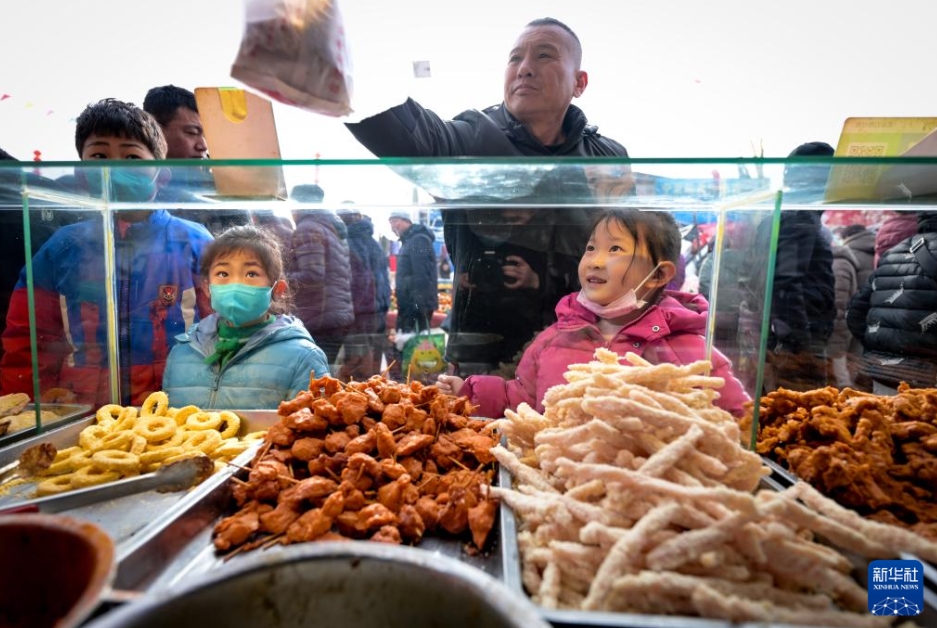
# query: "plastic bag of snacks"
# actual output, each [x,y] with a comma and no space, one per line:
[295,51]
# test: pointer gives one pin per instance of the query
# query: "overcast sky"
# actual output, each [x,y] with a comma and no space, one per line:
[668,78]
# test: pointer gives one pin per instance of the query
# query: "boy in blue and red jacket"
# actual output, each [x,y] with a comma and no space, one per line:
[156,265]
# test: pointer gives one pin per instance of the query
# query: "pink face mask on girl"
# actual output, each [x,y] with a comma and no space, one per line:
[625,304]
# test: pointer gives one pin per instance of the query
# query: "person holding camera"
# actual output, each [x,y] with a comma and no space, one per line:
[509,275]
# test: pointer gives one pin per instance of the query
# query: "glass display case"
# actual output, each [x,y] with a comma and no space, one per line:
[100,279]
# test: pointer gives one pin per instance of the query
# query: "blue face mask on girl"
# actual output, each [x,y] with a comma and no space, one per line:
[240,304]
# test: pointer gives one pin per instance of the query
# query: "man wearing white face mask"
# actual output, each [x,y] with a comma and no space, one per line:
[158,294]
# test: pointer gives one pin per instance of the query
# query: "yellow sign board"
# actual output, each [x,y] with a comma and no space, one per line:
[875,137]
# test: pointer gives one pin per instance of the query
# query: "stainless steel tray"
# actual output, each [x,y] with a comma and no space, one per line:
[177,545]
[66,411]
[126,517]
[512,577]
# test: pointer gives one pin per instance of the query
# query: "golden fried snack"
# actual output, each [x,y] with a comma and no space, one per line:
[89,437]
[13,403]
[155,429]
[68,461]
[371,460]
[148,458]
[156,403]
[122,462]
[124,442]
[55,485]
[206,441]
[108,415]
[92,475]
[203,421]
[182,414]
[230,424]
[870,453]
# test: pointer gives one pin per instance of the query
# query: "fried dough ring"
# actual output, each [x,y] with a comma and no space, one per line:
[108,415]
[116,460]
[91,436]
[230,448]
[138,445]
[114,440]
[184,413]
[92,475]
[126,420]
[152,457]
[55,485]
[70,464]
[155,428]
[174,441]
[156,403]
[253,437]
[205,441]
[68,452]
[231,422]
[203,421]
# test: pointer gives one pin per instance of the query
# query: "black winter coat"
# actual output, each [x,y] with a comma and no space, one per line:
[409,130]
[416,279]
[552,245]
[896,311]
[803,299]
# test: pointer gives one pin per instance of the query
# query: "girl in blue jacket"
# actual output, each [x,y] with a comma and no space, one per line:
[248,354]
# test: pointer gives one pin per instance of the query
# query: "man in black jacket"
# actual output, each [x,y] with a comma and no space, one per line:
[803,300]
[536,118]
[415,279]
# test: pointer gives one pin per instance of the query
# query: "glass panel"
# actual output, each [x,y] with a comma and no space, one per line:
[114,278]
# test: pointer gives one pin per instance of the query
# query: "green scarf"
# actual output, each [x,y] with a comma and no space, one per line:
[231,339]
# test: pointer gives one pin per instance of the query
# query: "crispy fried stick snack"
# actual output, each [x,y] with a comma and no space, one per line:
[633,494]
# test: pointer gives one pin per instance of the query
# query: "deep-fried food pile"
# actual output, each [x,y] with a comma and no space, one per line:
[371,460]
[634,495]
[14,416]
[124,441]
[874,454]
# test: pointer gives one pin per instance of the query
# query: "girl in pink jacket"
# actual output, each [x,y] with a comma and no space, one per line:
[623,306]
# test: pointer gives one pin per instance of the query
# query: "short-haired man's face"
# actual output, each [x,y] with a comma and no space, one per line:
[185,137]
[399,226]
[542,75]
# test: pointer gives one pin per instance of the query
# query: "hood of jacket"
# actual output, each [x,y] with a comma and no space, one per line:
[204,335]
[863,241]
[675,312]
[363,228]
[416,230]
